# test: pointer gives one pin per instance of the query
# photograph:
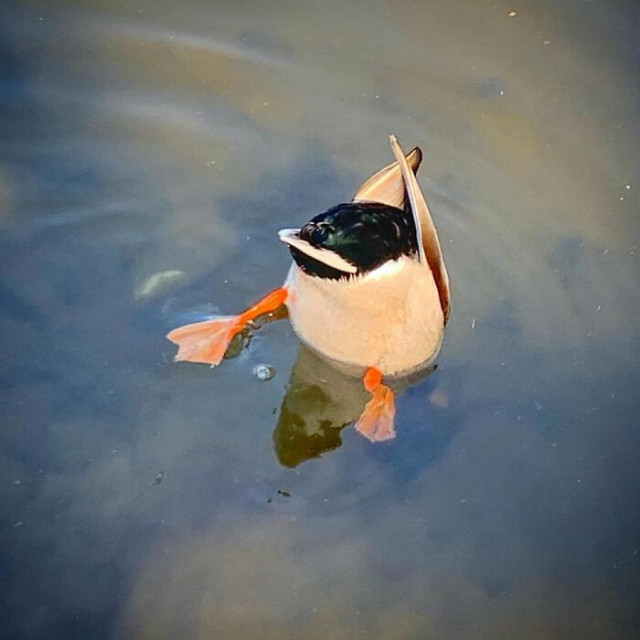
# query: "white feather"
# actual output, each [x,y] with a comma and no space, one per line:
[326,256]
[389,318]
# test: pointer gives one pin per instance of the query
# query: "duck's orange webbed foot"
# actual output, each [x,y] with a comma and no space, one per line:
[376,421]
[207,341]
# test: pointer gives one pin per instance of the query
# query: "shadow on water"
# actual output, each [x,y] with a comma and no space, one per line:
[319,403]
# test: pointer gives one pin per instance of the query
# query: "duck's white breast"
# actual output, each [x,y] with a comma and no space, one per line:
[391,318]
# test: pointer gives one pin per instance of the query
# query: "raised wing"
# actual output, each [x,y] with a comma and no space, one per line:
[428,243]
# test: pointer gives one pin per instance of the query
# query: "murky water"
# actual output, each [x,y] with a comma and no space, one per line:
[147,500]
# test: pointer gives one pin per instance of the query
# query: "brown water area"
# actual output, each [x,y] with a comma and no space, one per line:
[149,153]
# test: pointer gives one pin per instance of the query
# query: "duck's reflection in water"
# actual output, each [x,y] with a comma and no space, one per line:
[322,400]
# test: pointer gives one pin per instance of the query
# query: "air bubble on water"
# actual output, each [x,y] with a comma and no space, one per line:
[264,372]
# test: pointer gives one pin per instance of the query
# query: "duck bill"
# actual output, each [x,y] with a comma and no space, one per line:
[292,238]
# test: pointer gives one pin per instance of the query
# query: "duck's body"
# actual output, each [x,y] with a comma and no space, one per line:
[389,318]
[367,288]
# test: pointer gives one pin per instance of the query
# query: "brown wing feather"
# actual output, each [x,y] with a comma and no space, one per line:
[430,249]
[386,185]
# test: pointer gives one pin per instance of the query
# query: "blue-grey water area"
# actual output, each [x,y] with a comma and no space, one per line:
[149,153]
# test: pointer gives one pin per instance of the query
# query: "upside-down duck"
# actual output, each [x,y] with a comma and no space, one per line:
[368,288]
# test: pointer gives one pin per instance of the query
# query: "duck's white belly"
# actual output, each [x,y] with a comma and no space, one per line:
[390,319]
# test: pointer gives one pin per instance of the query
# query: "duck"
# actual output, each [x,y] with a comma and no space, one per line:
[367,289]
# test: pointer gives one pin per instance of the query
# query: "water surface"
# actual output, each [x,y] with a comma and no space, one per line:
[147,500]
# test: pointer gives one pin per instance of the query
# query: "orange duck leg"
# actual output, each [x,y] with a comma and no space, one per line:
[376,421]
[207,341]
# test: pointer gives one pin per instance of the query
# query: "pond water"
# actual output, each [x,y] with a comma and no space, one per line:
[150,152]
